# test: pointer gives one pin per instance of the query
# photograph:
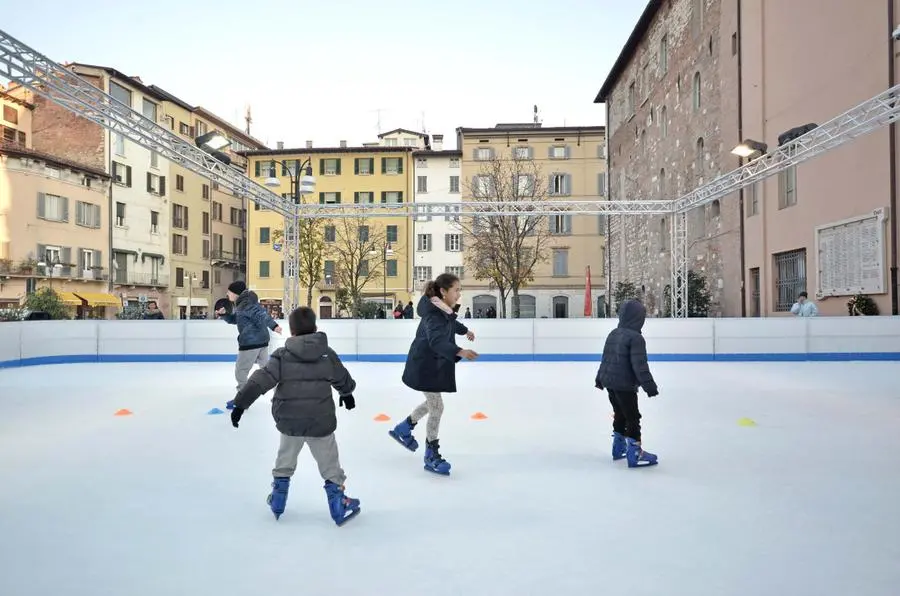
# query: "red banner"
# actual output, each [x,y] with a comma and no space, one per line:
[588,303]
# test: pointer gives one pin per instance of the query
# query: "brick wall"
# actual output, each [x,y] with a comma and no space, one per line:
[59,131]
[654,153]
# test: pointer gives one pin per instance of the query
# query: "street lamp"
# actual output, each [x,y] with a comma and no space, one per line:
[302,185]
[750,148]
[53,265]
[213,143]
[385,252]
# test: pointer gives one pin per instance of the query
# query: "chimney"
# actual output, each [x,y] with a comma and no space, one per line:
[309,145]
[280,145]
[343,144]
[437,143]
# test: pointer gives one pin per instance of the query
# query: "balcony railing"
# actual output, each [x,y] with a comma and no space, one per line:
[131,278]
[225,255]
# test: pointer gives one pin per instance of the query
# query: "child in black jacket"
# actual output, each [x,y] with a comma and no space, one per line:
[623,369]
[303,373]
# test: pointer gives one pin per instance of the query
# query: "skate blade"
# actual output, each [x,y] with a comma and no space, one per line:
[643,464]
[353,514]
[433,471]
[397,438]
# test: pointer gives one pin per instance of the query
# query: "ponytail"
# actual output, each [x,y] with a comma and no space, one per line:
[436,288]
[429,289]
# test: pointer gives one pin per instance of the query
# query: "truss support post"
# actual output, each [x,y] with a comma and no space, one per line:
[679,286]
[291,255]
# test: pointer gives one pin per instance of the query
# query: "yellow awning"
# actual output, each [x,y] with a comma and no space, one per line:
[98,299]
[69,299]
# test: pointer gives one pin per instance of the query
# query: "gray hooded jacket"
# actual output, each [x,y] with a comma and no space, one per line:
[624,364]
[303,373]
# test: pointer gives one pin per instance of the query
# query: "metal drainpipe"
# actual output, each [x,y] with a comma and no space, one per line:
[740,115]
[892,141]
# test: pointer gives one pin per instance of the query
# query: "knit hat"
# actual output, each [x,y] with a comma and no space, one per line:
[237,287]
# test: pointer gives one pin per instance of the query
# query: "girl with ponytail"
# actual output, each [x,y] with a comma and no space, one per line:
[431,365]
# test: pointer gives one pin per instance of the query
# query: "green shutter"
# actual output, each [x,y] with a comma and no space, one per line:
[337,197]
[383,165]
[321,198]
[257,169]
[356,166]
[400,165]
[356,197]
[338,170]
[384,196]
[321,167]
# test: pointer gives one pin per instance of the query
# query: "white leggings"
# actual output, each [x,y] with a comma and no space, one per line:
[433,407]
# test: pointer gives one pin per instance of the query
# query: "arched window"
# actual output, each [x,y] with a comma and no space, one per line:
[696,91]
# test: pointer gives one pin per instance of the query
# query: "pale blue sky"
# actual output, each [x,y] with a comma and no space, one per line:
[320,70]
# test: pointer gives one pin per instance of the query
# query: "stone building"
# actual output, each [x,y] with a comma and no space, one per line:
[672,119]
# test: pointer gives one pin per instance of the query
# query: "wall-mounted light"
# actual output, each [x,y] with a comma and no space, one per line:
[750,148]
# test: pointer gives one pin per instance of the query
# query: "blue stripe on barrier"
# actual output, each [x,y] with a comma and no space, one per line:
[761,357]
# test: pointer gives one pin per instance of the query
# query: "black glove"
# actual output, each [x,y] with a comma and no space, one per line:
[236,414]
[347,401]
[598,385]
[653,392]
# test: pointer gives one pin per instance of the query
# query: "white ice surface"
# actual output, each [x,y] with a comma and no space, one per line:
[171,501]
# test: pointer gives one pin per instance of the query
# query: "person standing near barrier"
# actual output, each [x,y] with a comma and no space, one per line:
[253,323]
[623,369]
[804,307]
[431,366]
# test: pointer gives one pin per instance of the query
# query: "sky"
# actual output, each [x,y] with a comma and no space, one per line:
[330,71]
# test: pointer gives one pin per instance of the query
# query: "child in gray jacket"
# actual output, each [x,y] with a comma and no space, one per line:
[253,323]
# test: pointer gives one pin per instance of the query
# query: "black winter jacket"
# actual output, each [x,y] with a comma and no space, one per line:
[624,364]
[431,362]
[304,371]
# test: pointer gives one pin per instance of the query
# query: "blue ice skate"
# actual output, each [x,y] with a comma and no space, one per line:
[619,447]
[637,457]
[402,433]
[278,497]
[433,460]
[229,405]
[342,507]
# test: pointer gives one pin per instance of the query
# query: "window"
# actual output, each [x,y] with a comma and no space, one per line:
[645,82]
[264,235]
[186,129]
[364,197]
[752,200]
[522,153]
[237,217]
[560,184]
[392,165]
[699,158]
[423,242]
[180,217]
[364,166]
[524,185]
[364,268]
[454,184]
[328,272]
[179,182]
[697,91]
[663,122]
[392,196]
[119,92]
[560,224]
[119,144]
[264,268]
[121,174]
[454,162]
[421,163]
[156,185]
[390,233]
[87,215]
[601,184]
[481,186]
[179,277]
[363,233]
[217,211]
[11,114]
[422,274]
[422,184]
[787,186]
[391,267]
[790,278]
[206,223]
[154,221]
[330,167]
[390,142]
[52,207]
[204,192]
[559,152]
[734,44]
[456,270]
[632,100]
[265,169]
[663,234]
[329,198]
[330,234]
[560,262]
[662,184]
[179,244]
[755,293]
[87,260]
[452,242]
[206,248]
[560,307]
[149,110]
[663,55]
[483,154]
[154,160]
[205,280]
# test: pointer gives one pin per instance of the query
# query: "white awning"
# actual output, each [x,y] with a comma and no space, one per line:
[194,302]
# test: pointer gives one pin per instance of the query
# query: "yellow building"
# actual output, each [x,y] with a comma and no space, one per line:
[344,176]
[572,165]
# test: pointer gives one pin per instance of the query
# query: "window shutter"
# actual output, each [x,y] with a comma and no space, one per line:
[98,258]
[338,167]
[384,196]
[79,213]
[399,165]
[460,244]
[128,176]
[41,204]
[80,264]
[162,186]
[321,167]
[66,258]
[149,179]
[356,197]
[321,197]
[550,151]
[337,197]
[257,169]
[186,218]
[41,249]
[430,245]
[447,242]
[356,166]
[568,181]
[550,189]
[96,210]
[65,208]
[568,152]
[400,196]
[384,165]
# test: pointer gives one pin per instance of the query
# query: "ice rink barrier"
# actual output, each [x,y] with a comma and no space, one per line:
[497,340]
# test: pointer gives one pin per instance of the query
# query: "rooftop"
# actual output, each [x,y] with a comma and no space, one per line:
[20,151]
[621,63]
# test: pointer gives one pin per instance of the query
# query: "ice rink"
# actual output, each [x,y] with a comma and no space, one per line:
[774,478]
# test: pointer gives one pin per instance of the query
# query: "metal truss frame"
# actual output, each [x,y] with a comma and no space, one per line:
[22,64]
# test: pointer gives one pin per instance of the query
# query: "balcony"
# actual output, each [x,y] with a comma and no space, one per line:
[226,258]
[131,278]
[327,284]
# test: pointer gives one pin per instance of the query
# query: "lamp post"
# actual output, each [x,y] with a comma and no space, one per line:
[385,251]
[301,185]
[50,265]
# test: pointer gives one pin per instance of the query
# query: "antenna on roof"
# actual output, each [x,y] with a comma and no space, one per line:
[248,119]
[536,119]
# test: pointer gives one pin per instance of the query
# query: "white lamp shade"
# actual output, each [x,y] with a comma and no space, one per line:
[272,182]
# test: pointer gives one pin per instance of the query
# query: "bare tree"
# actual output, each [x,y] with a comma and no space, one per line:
[310,252]
[506,248]
[359,257]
